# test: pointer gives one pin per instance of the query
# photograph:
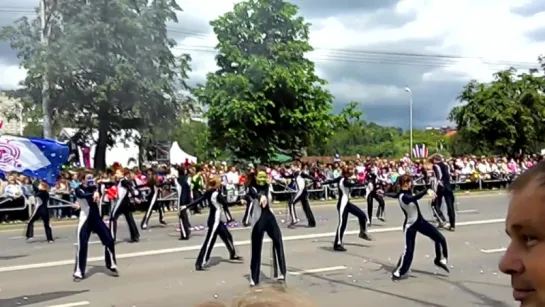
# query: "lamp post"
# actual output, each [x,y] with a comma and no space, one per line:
[408,90]
[21,125]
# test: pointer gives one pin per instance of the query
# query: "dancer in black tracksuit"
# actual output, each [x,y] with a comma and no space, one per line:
[414,223]
[90,221]
[249,204]
[104,203]
[265,222]
[443,188]
[215,225]
[40,212]
[122,205]
[248,201]
[344,206]
[183,189]
[154,187]
[374,184]
[301,195]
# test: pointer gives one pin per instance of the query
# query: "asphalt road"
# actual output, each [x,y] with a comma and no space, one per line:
[159,271]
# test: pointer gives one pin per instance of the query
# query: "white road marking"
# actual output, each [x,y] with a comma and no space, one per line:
[468,211]
[198,247]
[90,242]
[82,303]
[492,251]
[319,270]
[23,237]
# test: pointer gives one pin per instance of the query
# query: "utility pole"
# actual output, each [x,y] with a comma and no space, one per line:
[46,102]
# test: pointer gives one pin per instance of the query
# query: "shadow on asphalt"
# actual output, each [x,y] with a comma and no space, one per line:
[37,298]
[12,257]
[485,299]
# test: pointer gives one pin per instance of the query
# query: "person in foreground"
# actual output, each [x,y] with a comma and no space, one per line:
[276,295]
[525,226]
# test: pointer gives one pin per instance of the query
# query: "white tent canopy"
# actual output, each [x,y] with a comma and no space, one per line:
[178,156]
[124,150]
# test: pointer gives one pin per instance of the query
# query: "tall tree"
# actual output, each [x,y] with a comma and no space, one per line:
[505,116]
[109,65]
[266,96]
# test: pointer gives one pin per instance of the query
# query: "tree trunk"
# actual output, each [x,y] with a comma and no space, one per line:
[102,145]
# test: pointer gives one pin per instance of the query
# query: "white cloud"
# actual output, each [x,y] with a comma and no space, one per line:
[487,32]
[10,76]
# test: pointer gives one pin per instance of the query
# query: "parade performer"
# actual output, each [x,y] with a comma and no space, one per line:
[414,223]
[123,206]
[40,212]
[265,221]
[443,188]
[374,184]
[90,221]
[301,195]
[345,206]
[154,187]
[247,199]
[183,188]
[216,226]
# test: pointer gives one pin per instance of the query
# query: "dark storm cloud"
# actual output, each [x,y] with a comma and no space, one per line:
[8,56]
[328,8]
[11,11]
[530,9]
[537,35]
[432,103]
[380,68]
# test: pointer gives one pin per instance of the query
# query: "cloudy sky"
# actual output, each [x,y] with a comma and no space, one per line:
[369,51]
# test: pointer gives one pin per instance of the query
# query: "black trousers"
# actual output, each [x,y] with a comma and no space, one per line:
[250,203]
[123,208]
[301,196]
[344,206]
[40,212]
[89,222]
[437,210]
[449,200]
[267,224]
[185,226]
[424,227]
[372,195]
[214,229]
[152,205]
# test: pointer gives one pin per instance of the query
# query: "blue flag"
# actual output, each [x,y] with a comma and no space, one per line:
[33,157]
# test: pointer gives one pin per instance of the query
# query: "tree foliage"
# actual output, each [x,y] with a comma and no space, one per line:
[504,116]
[373,140]
[266,97]
[108,63]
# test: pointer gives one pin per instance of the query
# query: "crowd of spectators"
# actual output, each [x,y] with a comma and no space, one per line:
[16,191]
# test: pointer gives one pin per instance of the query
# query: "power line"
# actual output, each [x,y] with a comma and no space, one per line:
[370,60]
[382,53]
[355,55]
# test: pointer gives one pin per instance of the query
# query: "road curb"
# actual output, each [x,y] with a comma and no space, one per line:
[283,205]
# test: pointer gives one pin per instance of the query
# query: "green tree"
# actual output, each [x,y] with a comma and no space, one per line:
[266,97]
[108,64]
[505,116]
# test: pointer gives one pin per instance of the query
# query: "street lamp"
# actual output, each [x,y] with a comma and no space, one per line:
[408,90]
[21,125]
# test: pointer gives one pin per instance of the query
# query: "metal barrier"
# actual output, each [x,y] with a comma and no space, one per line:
[241,191]
[63,203]
[6,200]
